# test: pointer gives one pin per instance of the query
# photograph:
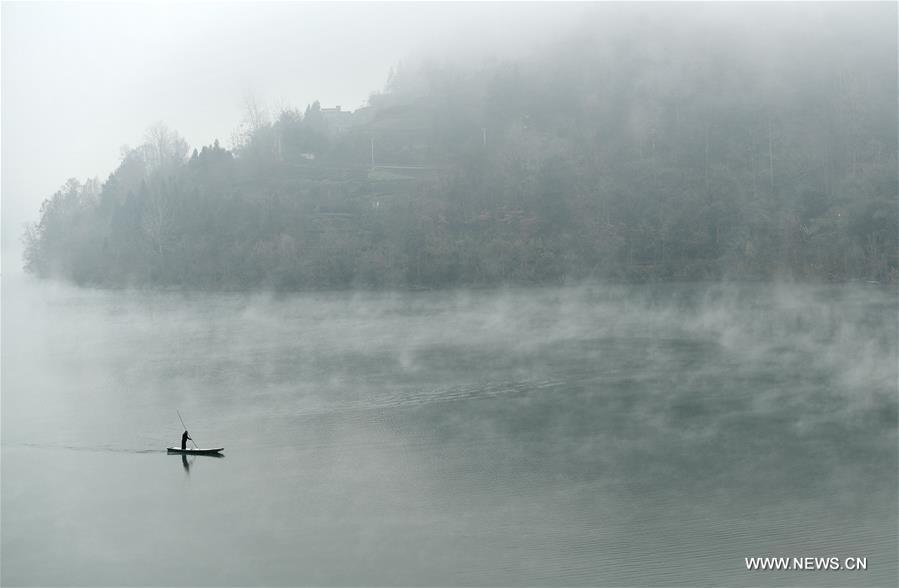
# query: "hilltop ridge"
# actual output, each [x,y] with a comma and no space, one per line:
[602,158]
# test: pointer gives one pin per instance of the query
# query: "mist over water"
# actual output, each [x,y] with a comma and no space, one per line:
[592,435]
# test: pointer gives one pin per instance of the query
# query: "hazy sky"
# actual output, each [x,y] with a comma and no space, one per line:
[79,80]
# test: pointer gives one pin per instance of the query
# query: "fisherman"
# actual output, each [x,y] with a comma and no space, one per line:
[184,439]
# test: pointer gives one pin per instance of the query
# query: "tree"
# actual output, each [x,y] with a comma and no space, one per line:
[163,149]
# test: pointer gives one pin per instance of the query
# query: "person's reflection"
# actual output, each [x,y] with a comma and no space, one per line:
[185,463]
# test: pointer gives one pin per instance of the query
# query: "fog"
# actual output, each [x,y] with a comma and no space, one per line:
[524,436]
[562,294]
[479,145]
[80,80]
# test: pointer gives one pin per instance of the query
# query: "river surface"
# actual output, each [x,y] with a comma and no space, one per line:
[591,435]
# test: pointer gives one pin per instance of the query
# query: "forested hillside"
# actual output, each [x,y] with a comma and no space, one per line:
[663,146]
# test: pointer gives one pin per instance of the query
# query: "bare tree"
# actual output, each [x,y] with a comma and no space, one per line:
[255,114]
[163,148]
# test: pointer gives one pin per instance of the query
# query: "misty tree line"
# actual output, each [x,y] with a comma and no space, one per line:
[656,150]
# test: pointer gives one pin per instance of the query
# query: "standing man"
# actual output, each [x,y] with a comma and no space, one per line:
[184,439]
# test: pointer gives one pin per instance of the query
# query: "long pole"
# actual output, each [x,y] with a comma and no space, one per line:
[185,427]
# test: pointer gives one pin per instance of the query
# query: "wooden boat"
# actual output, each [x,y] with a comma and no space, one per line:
[200,451]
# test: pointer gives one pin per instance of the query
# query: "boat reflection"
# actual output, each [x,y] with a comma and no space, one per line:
[187,464]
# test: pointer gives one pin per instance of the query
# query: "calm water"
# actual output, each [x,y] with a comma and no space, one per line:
[593,435]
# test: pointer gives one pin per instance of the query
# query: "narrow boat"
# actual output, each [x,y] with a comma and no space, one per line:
[179,451]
